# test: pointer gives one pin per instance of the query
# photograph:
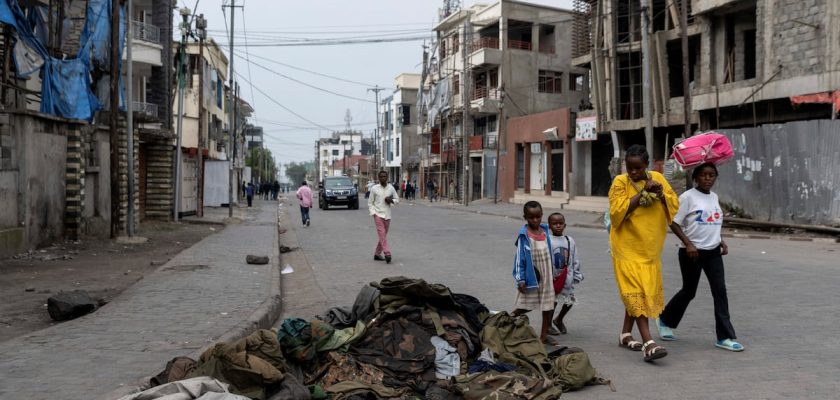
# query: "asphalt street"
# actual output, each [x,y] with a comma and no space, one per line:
[783,299]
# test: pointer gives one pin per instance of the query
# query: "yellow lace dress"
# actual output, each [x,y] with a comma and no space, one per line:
[636,242]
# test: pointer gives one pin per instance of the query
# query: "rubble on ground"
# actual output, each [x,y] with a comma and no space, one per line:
[69,305]
[258,260]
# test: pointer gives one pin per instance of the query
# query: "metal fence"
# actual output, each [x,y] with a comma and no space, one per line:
[787,173]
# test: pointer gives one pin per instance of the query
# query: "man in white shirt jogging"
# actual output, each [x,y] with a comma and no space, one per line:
[382,197]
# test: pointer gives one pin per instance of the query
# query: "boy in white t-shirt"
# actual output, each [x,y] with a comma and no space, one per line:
[697,224]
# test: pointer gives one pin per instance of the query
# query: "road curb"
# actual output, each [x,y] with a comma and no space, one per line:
[601,227]
[263,317]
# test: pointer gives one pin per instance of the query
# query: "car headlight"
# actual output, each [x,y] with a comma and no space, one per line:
[329,193]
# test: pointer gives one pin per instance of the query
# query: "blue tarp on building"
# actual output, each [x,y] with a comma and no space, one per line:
[66,84]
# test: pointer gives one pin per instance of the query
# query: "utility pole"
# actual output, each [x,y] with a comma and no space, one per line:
[129,117]
[466,119]
[421,116]
[113,137]
[501,125]
[201,29]
[232,110]
[235,143]
[646,95]
[182,66]
[376,91]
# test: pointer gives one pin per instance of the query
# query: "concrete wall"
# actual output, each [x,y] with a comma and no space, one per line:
[527,129]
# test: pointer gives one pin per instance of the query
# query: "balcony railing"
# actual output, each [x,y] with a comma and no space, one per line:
[490,141]
[487,42]
[547,48]
[145,32]
[519,44]
[147,109]
[483,92]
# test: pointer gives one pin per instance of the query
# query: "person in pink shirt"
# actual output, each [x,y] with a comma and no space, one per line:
[304,195]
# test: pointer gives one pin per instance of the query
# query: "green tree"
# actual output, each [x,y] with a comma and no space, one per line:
[296,172]
[262,163]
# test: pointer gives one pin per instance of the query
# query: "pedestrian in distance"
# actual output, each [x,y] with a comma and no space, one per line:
[275,189]
[533,270]
[697,224]
[564,257]
[430,190]
[249,193]
[304,195]
[408,190]
[414,190]
[244,188]
[642,205]
[368,187]
[383,197]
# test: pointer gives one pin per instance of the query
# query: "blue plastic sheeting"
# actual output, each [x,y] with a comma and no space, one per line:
[7,16]
[66,89]
[66,84]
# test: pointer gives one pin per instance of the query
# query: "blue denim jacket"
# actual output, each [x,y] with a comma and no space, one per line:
[523,266]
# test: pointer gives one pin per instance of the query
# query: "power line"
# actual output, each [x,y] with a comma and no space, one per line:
[304,83]
[266,33]
[282,106]
[312,72]
[338,42]
[355,26]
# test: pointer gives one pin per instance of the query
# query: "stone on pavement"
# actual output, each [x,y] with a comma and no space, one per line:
[258,260]
[69,305]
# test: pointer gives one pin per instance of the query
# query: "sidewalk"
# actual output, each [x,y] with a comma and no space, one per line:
[586,219]
[204,294]
[580,219]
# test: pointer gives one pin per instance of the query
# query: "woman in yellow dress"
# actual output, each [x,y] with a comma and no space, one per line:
[642,205]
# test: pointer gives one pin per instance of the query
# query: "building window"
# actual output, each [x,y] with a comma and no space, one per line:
[456,84]
[335,153]
[455,43]
[406,115]
[397,148]
[749,54]
[575,82]
[550,82]
[491,124]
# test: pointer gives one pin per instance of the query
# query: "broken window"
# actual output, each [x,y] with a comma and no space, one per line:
[406,115]
[550,82]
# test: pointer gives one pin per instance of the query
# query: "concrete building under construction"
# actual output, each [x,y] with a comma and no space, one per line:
[747,59]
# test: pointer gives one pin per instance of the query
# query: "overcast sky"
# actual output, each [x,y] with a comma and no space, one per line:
[289,137]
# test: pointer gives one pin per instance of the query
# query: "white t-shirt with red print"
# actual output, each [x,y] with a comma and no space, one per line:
[700,218]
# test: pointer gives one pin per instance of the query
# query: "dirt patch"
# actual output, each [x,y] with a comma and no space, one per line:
[103,268]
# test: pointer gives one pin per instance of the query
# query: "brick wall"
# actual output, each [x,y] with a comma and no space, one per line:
[798,46]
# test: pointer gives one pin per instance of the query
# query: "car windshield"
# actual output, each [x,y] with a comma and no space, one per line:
[331,183]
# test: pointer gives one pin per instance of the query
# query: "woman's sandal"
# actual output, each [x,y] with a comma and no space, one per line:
[653,351]
[626,340]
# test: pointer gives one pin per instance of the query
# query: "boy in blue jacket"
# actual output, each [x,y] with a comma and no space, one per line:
[533,269]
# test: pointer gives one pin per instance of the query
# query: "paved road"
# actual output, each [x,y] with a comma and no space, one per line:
[202,293]
[783,298]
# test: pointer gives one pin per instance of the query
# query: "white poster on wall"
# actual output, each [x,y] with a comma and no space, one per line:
[585,129]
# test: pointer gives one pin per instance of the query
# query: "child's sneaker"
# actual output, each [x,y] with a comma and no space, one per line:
[665,332]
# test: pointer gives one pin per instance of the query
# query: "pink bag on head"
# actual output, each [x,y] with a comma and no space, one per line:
[701,148]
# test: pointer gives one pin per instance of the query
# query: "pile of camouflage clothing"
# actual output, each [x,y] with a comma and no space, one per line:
[403,338]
